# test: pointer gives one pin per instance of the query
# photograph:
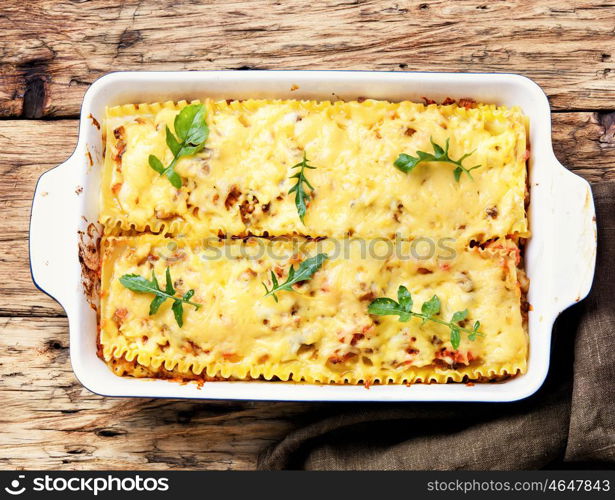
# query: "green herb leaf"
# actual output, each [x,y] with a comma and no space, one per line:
[438,150]
[404,298]
[156,164]
[137,283]
[406,163]
[302,198]
[304,272]
[455,337]
[155,304]
[457,173]
[388,307]
[431,307]
[189,125]
[474,332]
[172,142]
[169,285]
[192,131]
[158,300]
[140,284]
[459,316]
[178,312]
[173,177]
[385,306]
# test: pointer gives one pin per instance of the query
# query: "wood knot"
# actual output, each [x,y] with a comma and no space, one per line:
[128,38]
[110,432]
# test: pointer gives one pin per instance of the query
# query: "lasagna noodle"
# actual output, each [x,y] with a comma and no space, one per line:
[321,332]
[238,185]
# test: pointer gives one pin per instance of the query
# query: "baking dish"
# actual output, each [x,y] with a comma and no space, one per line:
[560,257]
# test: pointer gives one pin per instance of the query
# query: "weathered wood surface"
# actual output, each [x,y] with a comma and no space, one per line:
[50,421]
[50,51]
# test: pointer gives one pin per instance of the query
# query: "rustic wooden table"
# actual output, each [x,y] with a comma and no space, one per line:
[50,51]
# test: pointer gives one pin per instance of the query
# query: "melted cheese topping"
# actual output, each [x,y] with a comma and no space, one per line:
[239,183]
[321,332]
[408,229]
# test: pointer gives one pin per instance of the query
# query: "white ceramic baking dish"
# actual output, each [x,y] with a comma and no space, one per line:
[560,256]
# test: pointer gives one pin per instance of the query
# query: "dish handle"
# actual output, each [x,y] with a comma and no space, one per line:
[53,235]
[574,256]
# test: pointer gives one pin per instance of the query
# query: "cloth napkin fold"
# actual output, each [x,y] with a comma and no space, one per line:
[568,423]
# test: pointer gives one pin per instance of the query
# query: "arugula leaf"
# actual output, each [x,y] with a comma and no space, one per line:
[302,198]
[404,298]
[431,307]
[455,328]
[172,142]
[385,306]
[475,331]
[455,337]
[406,163]
[156,164]
[140,284]
[459,316]
[388,307]
[178,308]
[169,284]
[192,132]
[178,312]
[158,299]
[304,272]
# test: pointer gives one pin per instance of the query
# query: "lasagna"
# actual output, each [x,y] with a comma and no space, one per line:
[213,276]
[238,184]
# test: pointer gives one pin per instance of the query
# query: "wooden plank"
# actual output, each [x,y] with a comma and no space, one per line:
[54,423]
[583,142]
[29,148]
[45,68]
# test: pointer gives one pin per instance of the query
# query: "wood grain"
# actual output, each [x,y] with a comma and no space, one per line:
[55,423]
[585,143]
[29,148]
[51,51]
[566,46]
